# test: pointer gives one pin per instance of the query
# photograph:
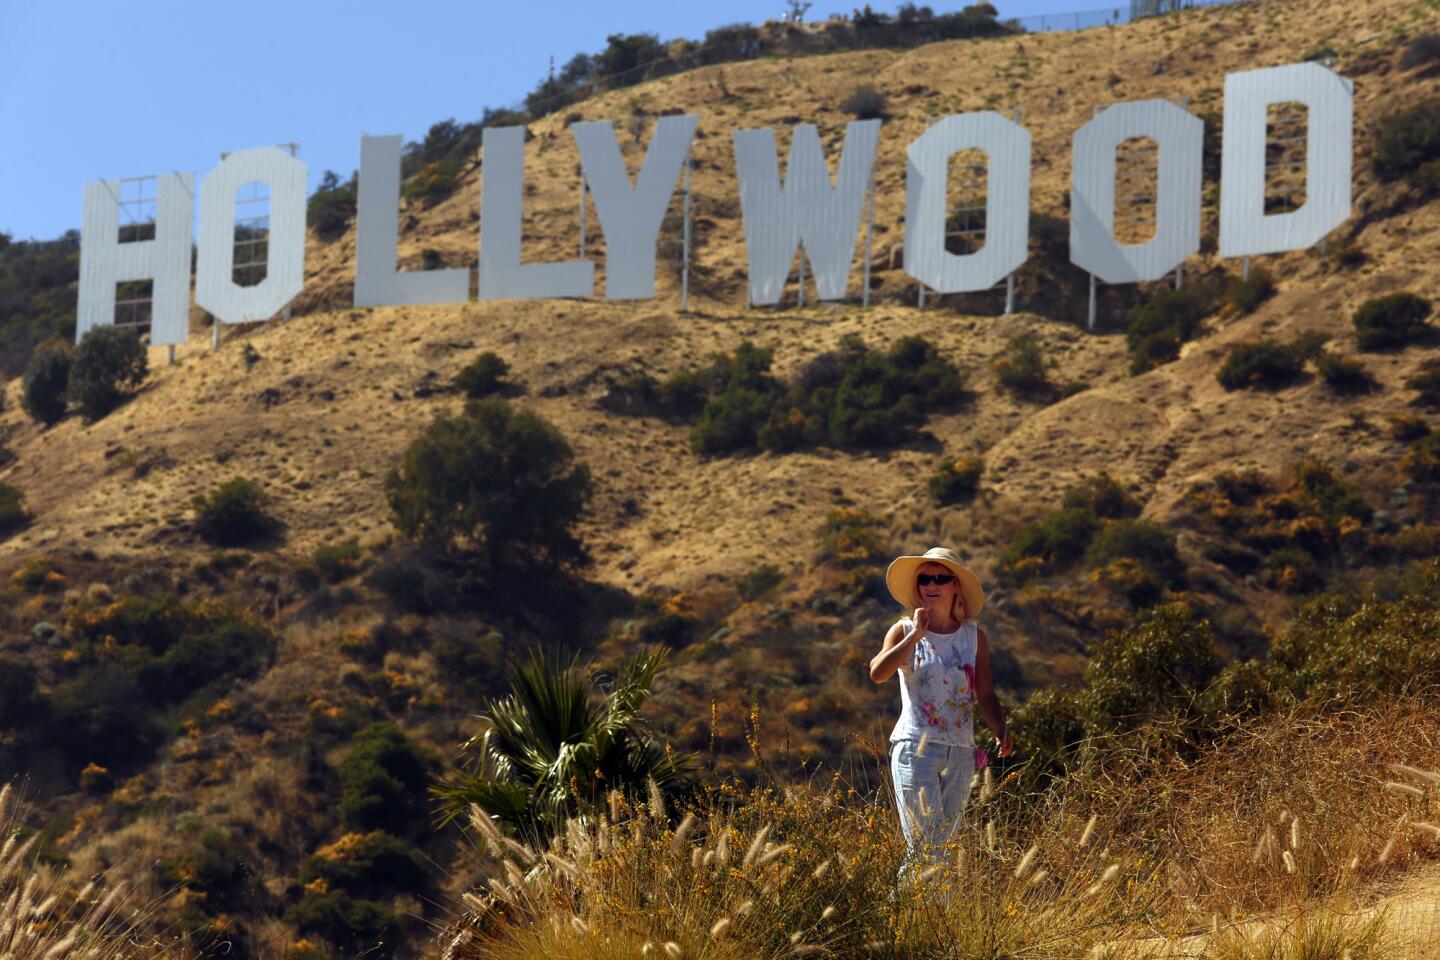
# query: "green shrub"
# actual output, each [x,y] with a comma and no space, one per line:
[1343,375]
[1422,460]
[17,692]
[101,715]
[1392,321]
[851,537]
[1406,140]
[1152,671]
[47,375]
[673,630]
[1102,496]
[13,515]
[1242,691]
[1291,570]
[359,927]
[337,561]
[684,393]
[174,649]
[1242,486]
[131,659]
[759,581]
[1329,496]
[1340,646]
[1049,727]
[1426,384]
[383,781]
[1144,541]
[742,395]
[1344,255]
[371,864]
[1021,368]
[332,206]
[1406,427]
[628,57]
[877,397]
[500,479]
[1244,295]
[483,376]
[852,397]
[218,871]
[1260,365]
[37,296]
[1423,50]
[473,661]
[1048,545]
[1157,327]
[433,182]
[233,514]
[865,103]
[411,578]
[107,361]
[956,482]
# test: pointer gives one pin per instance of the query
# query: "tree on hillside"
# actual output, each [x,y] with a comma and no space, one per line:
[623,60]
[47,375]
[493,479]
[107,362]
[556,745]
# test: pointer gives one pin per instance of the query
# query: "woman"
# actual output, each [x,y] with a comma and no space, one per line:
[943,658]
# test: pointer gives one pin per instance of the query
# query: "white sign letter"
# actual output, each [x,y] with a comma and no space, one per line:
[1245,229]
[631,218]
[1007,202]
[377,226]
[215,286]
[165,260]
[1181,139]
[806,208]
[502,275]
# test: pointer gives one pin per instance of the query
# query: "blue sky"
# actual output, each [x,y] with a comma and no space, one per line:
[106,89]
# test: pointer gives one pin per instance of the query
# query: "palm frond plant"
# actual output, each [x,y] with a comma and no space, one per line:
[558,744]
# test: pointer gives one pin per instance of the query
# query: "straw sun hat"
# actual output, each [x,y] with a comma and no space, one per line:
[900,578]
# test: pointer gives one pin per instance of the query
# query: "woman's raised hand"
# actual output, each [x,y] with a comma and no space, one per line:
[921,620]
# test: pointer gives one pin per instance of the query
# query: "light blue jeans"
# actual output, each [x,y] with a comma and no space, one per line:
[943,773]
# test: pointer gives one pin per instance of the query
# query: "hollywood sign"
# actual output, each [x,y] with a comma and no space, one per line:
[807,212]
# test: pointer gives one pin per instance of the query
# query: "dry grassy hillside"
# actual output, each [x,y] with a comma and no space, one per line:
[318,408]
[336,395]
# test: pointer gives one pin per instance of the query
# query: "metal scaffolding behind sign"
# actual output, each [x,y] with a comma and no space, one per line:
[136,202]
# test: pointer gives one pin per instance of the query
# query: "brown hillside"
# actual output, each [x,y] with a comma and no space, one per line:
[336,395]
[318,409]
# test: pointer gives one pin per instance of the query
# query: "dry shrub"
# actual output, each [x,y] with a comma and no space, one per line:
[1282,820]
[42,915]
[1225,819]
[809,870]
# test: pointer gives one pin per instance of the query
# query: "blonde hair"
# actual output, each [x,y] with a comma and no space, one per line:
[956,602]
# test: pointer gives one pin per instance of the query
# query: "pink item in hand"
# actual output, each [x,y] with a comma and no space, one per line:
[982,758]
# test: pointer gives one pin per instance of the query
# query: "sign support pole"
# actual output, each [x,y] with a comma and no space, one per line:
[802,276]
[1245,269]
[685,247]
[922,295]
[1091,324]
[1009,294]
[582,217]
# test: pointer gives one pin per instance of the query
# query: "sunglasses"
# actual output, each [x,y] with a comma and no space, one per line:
[926,579]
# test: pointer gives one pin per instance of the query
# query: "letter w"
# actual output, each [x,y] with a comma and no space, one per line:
[806,209]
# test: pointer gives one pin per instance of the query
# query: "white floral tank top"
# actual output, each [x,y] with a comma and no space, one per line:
[937,687]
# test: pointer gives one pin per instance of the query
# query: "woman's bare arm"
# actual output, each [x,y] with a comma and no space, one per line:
[892,655]
[985,698]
